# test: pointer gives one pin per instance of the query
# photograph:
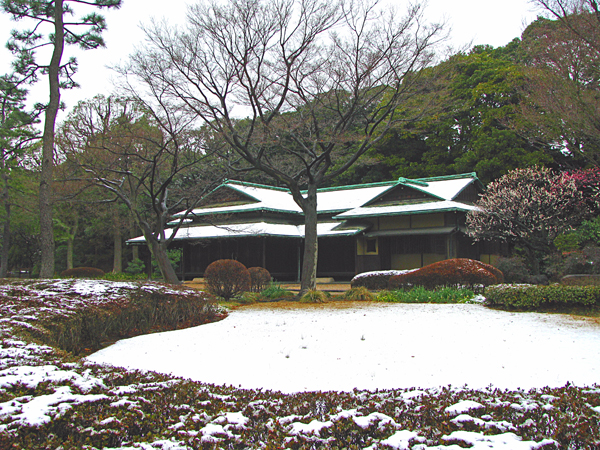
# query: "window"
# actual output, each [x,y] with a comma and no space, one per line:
[418,244]
[371,245]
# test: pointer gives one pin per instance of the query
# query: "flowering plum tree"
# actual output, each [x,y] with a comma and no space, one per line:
[530,208]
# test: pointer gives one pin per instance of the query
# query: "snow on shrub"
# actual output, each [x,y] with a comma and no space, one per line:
[78,315]
[451,272]
[376,281]
[227,278]
[259,279]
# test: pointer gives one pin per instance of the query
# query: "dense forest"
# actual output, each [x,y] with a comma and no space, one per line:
[122,165]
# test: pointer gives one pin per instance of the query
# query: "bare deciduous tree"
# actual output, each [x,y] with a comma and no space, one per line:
[150,162]
[317,82]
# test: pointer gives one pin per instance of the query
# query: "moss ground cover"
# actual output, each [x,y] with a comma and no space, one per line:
[50,400]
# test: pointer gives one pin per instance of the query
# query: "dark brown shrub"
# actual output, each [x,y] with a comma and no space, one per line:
[451,272]
[373,281]
[260,279]
[226,278]
[82,272]
[514,269]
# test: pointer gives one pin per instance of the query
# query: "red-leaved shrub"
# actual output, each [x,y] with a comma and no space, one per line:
[226,278]
[451,272]
[259,279]
[82,272]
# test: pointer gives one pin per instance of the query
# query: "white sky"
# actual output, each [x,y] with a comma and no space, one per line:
[477,21]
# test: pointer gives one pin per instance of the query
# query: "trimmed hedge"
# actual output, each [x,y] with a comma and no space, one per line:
[226,278]
[260,279]
[451,272]
[374,281]
[144,312]
[82,272]
[422,295]
[529,297]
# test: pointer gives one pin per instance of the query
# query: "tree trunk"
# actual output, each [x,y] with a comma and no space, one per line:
[159,252]
[118,251]
[5,236]
[70,242]
[46,229]
[311,244]
[135,250]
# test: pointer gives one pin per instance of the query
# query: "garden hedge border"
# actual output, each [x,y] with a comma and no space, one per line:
[530,297]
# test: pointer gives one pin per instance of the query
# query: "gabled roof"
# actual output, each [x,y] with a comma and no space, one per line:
[439,195]
[265,198]
[347,201]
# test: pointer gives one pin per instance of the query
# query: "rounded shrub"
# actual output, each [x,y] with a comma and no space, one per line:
[260,279]
[451,272]
[227,278]
[375,281]
[82,272]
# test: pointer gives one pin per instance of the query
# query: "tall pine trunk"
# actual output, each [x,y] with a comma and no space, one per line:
[45,200]
[6,230]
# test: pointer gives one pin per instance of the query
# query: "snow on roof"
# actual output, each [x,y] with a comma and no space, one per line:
[336,199]
[415,208]
[343,199]
[267,198]
[256,229]
[445,188]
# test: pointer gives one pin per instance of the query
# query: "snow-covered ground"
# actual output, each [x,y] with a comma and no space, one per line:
[373,346]
[332,346]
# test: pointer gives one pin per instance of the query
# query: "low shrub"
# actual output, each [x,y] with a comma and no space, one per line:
[422,295]
[122,276]
[81,322]
[375,281]
[314,296]
[451,272]
[82,272]
[226,278]
[275,292]
[135,267]
[358,294]
[586,261]
[260,278]
[246,298]
[514,269]
[580,280]
[529,297]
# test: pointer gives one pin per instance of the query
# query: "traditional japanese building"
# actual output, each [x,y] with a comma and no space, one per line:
[400,224]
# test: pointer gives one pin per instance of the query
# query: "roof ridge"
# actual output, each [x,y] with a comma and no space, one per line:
[354,186]
[249,184]
[448,177]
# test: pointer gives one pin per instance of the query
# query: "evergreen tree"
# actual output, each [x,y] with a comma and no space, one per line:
[24,43]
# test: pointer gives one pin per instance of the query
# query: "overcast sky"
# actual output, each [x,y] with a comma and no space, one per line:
[478,21]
